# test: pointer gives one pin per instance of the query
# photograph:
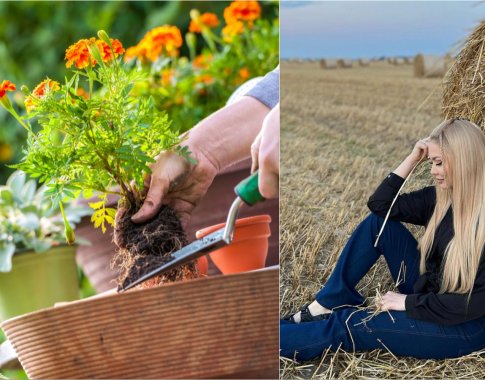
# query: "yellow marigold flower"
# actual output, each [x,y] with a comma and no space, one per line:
[202,61]
[209,20]
[29,103]
[244,73]
[242,11]
[232,30]
[6,152]
[5,86]
[78,54]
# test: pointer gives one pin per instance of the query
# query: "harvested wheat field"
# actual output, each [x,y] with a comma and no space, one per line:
[342,132]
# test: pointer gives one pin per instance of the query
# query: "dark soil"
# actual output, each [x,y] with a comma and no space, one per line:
[144,247]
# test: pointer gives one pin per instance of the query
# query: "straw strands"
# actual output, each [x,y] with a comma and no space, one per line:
[464,87]
[342,132]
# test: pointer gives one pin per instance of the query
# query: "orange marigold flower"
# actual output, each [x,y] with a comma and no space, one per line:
[158,41]
[202,61]
[82,93]
[78,54]
[232,30]
[45,86]
[106,53]
[163,39]
[5,86]
[167,75]
[208,19]
[244,73]
[132,52]
[205,79]
[242,11]
[41,90]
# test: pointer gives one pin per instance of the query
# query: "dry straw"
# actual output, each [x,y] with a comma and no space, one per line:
[344,63]
[328,63]
[429,66]
[464,87]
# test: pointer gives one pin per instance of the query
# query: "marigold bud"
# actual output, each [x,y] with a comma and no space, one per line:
[25,89]
[104,36]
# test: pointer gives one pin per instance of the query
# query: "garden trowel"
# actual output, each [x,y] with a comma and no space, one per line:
[247,192]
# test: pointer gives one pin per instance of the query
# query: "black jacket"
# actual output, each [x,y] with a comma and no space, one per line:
[426,304]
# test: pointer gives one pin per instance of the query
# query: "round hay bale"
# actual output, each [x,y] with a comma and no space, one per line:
[344,63]
[428,66]
[363,62]
[464,85]
[328,63]
[398,61]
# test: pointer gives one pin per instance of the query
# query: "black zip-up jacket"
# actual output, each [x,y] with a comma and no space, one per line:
[426,303]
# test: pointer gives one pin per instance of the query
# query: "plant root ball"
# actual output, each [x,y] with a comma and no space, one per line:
[146,246]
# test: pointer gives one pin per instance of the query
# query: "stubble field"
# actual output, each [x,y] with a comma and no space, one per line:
[342,132]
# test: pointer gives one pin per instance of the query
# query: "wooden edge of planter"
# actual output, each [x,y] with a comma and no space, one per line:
[202,328]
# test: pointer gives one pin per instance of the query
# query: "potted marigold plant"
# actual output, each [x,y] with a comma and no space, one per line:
[96,137]
[37,268]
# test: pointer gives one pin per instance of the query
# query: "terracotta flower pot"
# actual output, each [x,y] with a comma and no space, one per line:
[249,248]
[202,265]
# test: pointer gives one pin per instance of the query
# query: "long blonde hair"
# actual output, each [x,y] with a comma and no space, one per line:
[462,146]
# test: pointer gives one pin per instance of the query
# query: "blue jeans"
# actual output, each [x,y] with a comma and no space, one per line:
[402,335]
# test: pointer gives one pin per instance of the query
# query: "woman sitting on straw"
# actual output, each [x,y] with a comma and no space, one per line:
[440,310]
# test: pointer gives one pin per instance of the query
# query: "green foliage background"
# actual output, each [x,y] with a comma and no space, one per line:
[35,34]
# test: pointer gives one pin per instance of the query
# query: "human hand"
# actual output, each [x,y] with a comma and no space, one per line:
[175,182]
[393,301]
[265,153]
[420,151]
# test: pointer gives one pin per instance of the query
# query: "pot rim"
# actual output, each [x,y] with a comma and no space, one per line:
[242,222]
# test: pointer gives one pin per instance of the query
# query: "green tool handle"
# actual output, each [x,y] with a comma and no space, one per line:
[248,190]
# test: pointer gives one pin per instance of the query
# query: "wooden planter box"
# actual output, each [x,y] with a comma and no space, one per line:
[218,327]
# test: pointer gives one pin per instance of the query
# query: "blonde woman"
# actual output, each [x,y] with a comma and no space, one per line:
[440,310]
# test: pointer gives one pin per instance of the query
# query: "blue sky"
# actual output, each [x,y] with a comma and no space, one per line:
[353,29]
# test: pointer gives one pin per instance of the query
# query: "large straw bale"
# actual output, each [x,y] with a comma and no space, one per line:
[398,61]
[344,63]
[363,62]
[464,85]
[429,66]
[328,63]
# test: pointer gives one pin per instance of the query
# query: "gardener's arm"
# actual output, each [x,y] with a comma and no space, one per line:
[218,141]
